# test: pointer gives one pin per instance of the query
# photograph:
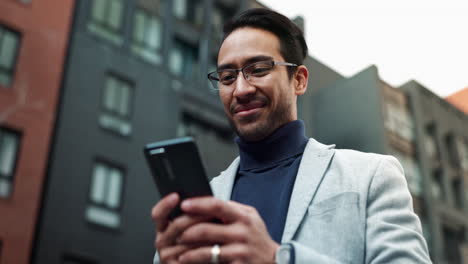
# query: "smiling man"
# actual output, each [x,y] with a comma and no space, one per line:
[286,199]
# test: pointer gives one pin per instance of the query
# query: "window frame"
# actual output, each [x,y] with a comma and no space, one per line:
[114,113]
[12,71]
[185,46]
[11,178]
[190,16]
[141,47]
[103,29]
[90,203]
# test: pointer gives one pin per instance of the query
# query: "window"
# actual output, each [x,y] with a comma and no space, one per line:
[462,146]
[106,19]
[147,36]
[9,146]
[9,43]
[452,150]
[105,195]
[399,121]
[116,105]
[457,189]
[437,185]
[183,60]
[189,10]
[430,142]
[453,241]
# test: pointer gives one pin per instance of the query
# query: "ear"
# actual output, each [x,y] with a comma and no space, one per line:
[301,78]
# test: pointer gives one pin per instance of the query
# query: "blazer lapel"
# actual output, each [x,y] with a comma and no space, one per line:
[313,166]
[225,181]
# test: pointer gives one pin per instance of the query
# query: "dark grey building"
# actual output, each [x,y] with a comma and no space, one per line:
[135,73]
[442,132]
[427,135]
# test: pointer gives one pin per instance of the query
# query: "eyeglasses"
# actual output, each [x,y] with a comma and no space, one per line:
[253,73]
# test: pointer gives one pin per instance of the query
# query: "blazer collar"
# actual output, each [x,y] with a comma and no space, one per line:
[226,181]
[313,166]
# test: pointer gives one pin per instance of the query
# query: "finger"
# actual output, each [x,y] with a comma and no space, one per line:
[171,254]
[176,227]
[160,212]
[225,211]
[210,233]
[228,253]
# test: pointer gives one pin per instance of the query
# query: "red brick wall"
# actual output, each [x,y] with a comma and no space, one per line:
[29,105]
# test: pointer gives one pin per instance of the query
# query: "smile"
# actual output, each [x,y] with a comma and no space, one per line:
[248,109]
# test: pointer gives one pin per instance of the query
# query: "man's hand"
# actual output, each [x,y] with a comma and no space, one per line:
[168,231]
[242,235]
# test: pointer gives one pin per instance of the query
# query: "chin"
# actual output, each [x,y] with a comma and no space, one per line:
[254,131]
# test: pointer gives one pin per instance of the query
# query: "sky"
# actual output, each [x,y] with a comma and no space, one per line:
[422,40]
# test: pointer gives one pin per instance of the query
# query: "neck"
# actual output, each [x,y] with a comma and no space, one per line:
[285,142]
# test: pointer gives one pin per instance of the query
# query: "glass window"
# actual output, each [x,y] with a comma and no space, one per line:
[9,146]
[9,45]
[437,185]
[454,241]
[399,121]
[116,105]
[183,59]
[452,150]
[457,189]
[106,19]
[189,10]
[462,146]
[105,195]
[147,36]
[430,142]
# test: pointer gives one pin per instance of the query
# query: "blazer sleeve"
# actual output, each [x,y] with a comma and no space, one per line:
[393,230]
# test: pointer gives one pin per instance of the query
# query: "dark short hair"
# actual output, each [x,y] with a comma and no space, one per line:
[293,46]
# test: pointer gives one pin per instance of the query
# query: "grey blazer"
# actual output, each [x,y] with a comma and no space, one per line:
[347,207]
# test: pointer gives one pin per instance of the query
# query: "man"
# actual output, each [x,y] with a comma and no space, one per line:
[286,199]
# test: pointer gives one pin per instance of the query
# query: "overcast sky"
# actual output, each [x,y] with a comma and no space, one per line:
[424,40]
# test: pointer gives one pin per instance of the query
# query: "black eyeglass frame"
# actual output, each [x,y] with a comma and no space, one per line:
[214,79]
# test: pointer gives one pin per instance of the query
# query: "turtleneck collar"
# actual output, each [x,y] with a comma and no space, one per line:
[286,142]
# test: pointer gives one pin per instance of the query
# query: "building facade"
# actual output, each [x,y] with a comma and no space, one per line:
[441,130]
[33,44]
[424,132]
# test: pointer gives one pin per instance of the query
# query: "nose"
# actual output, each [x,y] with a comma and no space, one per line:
[242,87]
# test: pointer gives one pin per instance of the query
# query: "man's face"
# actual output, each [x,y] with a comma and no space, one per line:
[256,110]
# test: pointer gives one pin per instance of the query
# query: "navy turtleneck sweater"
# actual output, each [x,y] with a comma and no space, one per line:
[267,172]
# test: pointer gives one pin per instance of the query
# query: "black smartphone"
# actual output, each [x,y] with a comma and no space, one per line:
[177,167]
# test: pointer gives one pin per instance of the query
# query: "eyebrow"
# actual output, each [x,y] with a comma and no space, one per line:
[246,62]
